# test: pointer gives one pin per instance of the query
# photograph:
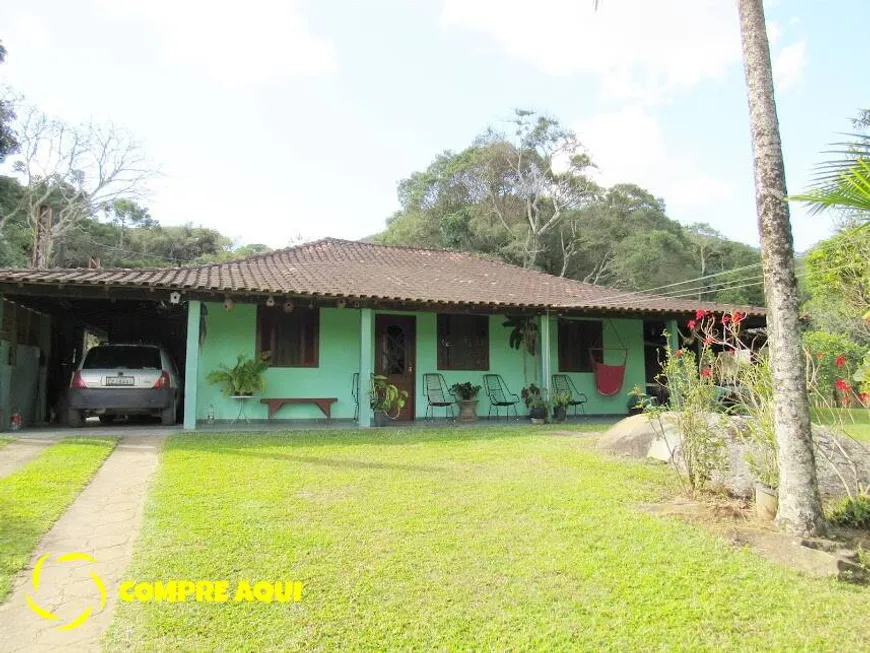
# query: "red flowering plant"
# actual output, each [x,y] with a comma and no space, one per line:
[742,382]
[837,394]
[831,358]
[689,380]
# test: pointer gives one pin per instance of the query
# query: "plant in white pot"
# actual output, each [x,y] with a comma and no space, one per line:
[386,400]
[756,400]
[466,396]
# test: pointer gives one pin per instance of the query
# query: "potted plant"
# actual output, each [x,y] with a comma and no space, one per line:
[386,400]
[763,465]
[466,397]
[561,401]
[243,379]
[535,403]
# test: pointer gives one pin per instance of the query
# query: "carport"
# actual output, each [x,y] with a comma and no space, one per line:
[45,329]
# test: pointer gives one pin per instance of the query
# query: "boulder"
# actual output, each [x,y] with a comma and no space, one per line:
[837,456]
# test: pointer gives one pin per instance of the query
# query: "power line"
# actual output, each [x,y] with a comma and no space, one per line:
[735,284]
[681,283]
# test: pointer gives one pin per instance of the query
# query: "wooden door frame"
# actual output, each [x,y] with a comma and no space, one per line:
[410,321]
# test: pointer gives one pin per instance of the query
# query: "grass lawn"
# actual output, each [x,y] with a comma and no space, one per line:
[856,421]
[33,497]
[444,540]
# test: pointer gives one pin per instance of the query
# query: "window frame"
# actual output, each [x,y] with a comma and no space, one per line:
[584,366]
[314,313]
[440,363]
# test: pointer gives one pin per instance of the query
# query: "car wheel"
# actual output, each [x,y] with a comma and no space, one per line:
[107,419]
[167,415]
[76,418]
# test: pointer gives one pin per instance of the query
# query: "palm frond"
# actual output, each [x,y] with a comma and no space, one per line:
[842,182]
[848,190]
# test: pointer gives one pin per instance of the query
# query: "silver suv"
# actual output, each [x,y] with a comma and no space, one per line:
[118,380]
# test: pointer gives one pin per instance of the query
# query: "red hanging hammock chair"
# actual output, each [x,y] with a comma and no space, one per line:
[608,377]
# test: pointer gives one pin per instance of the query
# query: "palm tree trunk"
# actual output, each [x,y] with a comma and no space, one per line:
[800,508]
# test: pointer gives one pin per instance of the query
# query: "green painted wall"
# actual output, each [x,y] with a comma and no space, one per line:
[232,332]
[617,333]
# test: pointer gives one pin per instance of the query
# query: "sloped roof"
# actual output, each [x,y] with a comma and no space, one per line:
[354,270]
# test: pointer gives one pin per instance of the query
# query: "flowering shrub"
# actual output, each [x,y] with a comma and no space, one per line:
[693,398]
[727,374]
[832,360]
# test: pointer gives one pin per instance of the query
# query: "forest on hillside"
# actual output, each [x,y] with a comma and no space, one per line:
[525,193]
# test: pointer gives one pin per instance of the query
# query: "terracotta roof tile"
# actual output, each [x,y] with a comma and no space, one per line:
[353,269]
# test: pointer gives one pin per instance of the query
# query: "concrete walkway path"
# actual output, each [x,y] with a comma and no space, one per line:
[102,522]
[18,452]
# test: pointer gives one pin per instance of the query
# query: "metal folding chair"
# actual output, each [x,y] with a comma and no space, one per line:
[562,384]
[437,395]
[499,396]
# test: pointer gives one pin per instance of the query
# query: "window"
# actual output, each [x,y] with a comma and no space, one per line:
[292,338]
[463,342]
[576,338]
[129,357]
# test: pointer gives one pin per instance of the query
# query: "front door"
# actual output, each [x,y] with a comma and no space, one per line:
[396,355]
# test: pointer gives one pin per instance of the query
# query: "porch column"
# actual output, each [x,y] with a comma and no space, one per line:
[366,365]
[191,364]
[546,380]
[674,335]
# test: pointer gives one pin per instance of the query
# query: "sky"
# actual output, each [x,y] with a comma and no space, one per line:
[271,120]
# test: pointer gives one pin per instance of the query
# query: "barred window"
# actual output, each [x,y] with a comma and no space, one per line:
[463,342]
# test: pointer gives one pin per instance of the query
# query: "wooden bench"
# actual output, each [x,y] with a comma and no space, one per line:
[323,403]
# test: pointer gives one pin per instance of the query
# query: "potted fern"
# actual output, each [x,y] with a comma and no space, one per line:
[466,397]
[243,379]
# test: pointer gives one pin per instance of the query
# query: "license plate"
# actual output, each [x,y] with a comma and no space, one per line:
[120,380]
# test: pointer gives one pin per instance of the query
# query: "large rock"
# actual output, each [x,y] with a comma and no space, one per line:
[837,457]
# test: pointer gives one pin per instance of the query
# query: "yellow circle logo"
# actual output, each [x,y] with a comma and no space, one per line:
[46,614]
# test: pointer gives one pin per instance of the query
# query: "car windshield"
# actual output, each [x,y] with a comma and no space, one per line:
[132,358]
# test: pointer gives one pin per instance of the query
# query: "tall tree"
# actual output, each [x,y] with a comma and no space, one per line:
[532,177]
[838,280]
[800,506]
[8,141]
[69,173]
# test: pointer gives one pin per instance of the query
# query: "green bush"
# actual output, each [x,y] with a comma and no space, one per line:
[854,512]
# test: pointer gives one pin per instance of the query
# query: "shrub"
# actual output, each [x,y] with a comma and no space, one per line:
[693,398]
[831,357]
[854,512]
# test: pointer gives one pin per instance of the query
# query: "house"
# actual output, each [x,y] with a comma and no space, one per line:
[327,310]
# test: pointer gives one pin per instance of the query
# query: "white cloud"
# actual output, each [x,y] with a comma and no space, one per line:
[27,32]
[238,43]
[788,65]
[628,146]
[640,49]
